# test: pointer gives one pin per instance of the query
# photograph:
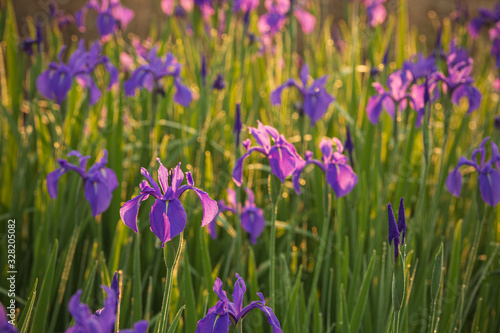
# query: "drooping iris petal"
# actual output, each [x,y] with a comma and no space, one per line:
[53,181]
[168,219]
[130,210]
[238,168]
[253,222]
[489,186]
[341,178]
[98,195]
[213,323]
[282,161]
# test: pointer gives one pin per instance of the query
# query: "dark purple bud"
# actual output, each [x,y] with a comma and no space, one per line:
[496,122]
[393,231]
[349,145]
[386,55]
[52,9]
[219,82]
[402,221]
[374,71]
[438,46]
[237,124]
[246,19]
[179,12]
[203,70]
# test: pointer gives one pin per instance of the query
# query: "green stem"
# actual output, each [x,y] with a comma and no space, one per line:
[272,242]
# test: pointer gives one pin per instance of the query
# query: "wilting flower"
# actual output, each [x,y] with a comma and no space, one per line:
[167,217]
[316,98]
[486,17]
[103,320]
[489,174]
[339,174]
[99,181]
[149,75]
[282,154]
[219,83]
[393,231]
[56,81]
[225,312]
[375,11]
[252,217]
[27,44]
[111,15]
[5,326]
[459,82]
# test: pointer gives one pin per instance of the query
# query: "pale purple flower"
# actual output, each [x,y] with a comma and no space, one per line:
[282,154]
[167,217]
[489,175]
[224,313]
[316,99]
[252,217]
[376,12]
[339,174]
[99,181]
[56,81]
[111,15]
[486,17]
[150,74]
[245,5]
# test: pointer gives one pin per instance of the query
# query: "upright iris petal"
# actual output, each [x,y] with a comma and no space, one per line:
[167,216]
[224,313]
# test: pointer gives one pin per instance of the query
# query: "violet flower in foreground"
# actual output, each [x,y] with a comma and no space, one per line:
[252,217]
[56,81]
[339,174]
[103,320]
[149,75]
[167,216]
[316,98]
[282,154]
[489,174]
[5,326]
[99,181]
[111,15]
[225,312]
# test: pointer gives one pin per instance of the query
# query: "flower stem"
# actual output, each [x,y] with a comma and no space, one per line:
[272,240]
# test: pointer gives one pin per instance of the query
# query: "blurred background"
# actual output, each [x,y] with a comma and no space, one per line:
[423,13]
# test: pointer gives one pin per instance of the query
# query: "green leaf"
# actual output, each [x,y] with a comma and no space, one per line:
[175,322]
[398,284]
[359,309]
[437,273]
[26,315]
[43,305]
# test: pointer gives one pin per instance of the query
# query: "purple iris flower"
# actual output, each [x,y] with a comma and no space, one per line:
[99,181]
[219,83]
[56,81]
[489,174]
[149,75]
[277,10]
[5,326]
[496,122]
[27,44]
[375,11]
[252,217]
[394,99]
[339,174]
[206,7]
[185,6]
[393,231]
[245,5]
[102,320]
[111,15]
[486,17]
[63,19]
[316,98]
[167,217]
[459,82]
[225,312]
[422,67]
[237,124]
[282,154]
